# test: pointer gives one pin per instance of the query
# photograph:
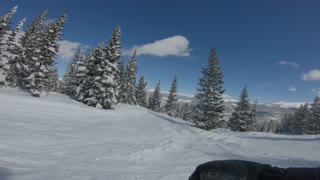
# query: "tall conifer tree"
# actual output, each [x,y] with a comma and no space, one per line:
[210,110]
[242,118]
[155,99]
[141,93]
[131,79]
[171,106]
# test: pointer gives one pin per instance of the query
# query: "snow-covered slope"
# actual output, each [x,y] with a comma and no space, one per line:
[56,138]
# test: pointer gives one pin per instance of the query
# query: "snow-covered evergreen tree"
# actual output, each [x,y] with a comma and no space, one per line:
[171,106]
[150,103]
[184,111]
[29,74]
[113,53]
[53,81]
[242,118]
[296,123]
[314,126]
[51,36]
[210,109]
[155,99]
[141,93]
[71,81]
[122,83]
[305,118]
[13,51]
[131,78]
[254,110]
[5,22]
[87,75]
[80,75]
[101,93]
[113,49]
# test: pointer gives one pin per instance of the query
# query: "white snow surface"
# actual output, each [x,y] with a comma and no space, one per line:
[56,138]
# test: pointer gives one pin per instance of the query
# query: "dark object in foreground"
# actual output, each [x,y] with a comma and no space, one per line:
[246,170]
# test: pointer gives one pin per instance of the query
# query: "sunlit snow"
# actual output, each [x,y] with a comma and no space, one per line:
[56,138]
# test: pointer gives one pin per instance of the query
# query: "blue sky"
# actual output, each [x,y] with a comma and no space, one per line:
[271,46]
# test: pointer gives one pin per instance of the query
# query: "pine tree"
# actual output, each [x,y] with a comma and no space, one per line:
[87,76]
[122,83]
[71,81]
[305,118]
[113,49]
[13,51]
[314,126]
[171,106]
[29,74]
[254,110]
[112,54]
[131,79]
[184,111]
[80,74]
[150,102]
[51,36]
[286,124]
[53,81]
[210,109]
[141,93]
[5,22]
[101,91]
[155,99]
[242,117]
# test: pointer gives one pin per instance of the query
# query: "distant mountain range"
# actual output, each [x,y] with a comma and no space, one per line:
[266,111]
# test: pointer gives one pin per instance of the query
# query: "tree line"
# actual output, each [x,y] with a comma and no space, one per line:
[306,120]
[98,78]
[27,60]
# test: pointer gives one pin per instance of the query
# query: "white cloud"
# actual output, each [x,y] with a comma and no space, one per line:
[313,75]
[68,48]
[294,64]
[292,89]
[316,91]
[171,46]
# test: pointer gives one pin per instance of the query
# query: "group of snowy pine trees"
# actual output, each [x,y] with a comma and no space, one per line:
[306,120]
[27,57]
[99,79]
[209,112]
[92,79]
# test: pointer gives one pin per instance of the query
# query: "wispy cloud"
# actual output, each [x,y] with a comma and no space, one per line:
[67,49]
[292,89]
[313,75]
[294,64]
[171,46]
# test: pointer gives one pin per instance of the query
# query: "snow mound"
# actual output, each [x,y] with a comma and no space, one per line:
[58,138]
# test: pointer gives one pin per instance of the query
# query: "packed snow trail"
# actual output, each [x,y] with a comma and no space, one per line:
[58,138]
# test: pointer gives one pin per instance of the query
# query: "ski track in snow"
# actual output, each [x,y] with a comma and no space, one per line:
[58,138]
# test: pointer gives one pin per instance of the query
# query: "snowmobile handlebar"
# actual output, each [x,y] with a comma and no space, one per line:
[246,170]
